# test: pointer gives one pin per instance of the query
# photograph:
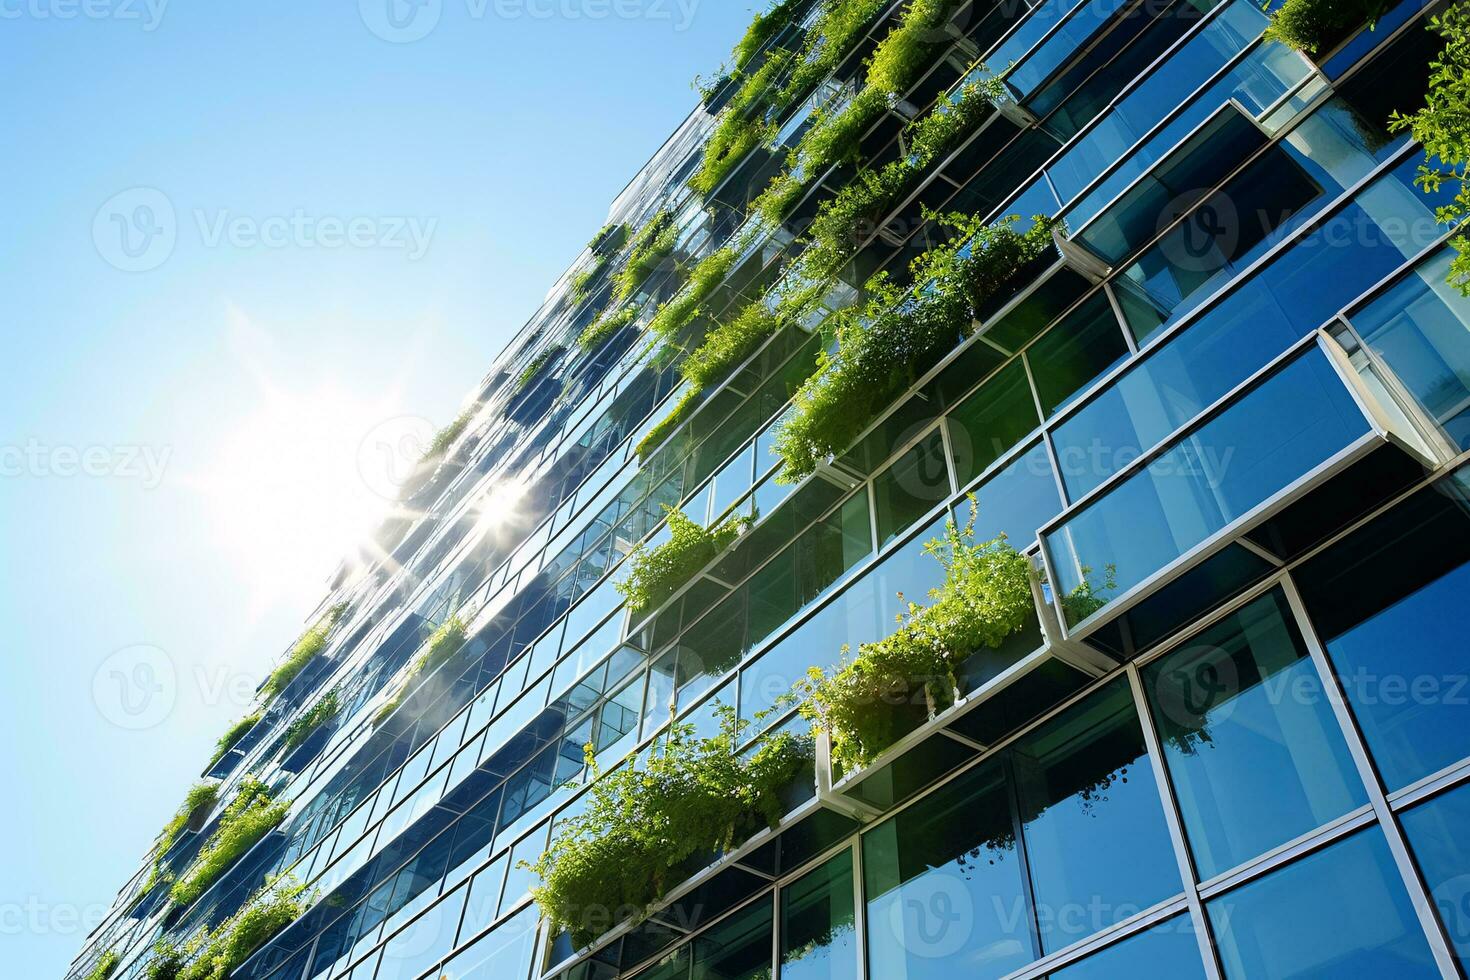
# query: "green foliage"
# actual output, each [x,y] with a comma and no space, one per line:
[952,119]
[832,36]
[232,735]
[728,344]
[657,435]
[864,702]
[679,312]
[886,344]
[442,644]
[307,649]
[609,239]
[323,712]
[733,139]
[445,437]
[200,796]
[641,827]
[106,966]
[654,574]
[765,26]
[1314,26]
[222,951]
[1087,598]
[582,282]
[654,242]
[250,816]
[907,49]
[1443,127]
[834,135]
[538,363]
[605,326]
[167,962]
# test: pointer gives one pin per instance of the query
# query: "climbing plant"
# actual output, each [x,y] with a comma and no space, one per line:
[1443,127]
[251,815]
[305,650]
[214,955]
[653,244]
[864,702]
[232,735]
[605,326]
[642,825]
[106,966]
[705,278]
[201,796]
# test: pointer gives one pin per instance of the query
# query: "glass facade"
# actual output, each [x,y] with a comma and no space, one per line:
[1226,419]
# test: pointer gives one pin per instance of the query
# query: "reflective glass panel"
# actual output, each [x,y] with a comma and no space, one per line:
[817,924]
[1436,832]
[1165,952]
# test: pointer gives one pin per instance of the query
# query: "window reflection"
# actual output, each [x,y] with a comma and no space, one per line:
[817,924]
[1165,952]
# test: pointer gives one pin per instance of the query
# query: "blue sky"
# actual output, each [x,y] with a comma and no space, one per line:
[358,224]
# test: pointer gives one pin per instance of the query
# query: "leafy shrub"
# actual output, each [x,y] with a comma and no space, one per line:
[832,36]
[609,239]
[322,713]
[537,365]
[907,49]
[765,26]
[250,816]
[731,142]
[582,282]
[442,644]
[694,798]
[951,120]
[232,735]
[728,344]
[985,598]
[167,962]
[1315,26]
[605,326]
[235,940]
[665,427]
[654,574]
[307,649]
[106,966]
[654,242]
[199,797]
[834,135]
[885,345]
[706,277]
[1443,127]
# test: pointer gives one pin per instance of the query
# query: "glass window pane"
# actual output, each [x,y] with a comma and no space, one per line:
[943,885]
[992,420]
[914,485]
[1078,349]
[1166,952]
[1256,756]
[1096,842]
[423,943]
[738,948]
[1339,913]
[504,954]
[1387,603]
[817,924]
[1436,832]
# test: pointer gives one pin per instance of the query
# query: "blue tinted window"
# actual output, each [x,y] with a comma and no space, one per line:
[504,954]
[818,928]
[1255,754]
[1096,842]
[1166,952]
[1437,834]
[1340,913]
[1274,434]
[423,943]
[944,887]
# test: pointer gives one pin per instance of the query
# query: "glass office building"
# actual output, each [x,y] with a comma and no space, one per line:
[1230,404]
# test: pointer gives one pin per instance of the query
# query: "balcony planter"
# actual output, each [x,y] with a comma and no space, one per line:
[1315,27]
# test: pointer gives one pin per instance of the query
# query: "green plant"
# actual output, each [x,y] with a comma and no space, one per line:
[609,239]
[220,952]
[605,326]
[201,796]
[440,646]
[232,735]
[167,962]
[306,649]
[985,598]
[765,26]
[730,343]
[705,278]
[839,26]
[654,574]
[323,712]
[250,816]
[106,966]
[445,437]
[538,363]
[582,282]
[641,826]
[943,127]
[665,427]
[897,335]
[733,139]
[907,49]
[1442,125]
[834,135]
[654,243]
[1314,26]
